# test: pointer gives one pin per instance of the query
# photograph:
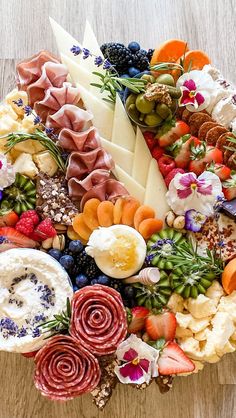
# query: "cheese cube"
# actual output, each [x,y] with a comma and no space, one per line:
[15,95]
[183,319]
[24,165]
[183,332]
[197,325]
[215,291]
[176,303]
[46,163]
[201,307]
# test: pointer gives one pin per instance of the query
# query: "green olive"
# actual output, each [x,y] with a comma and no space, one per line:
[174,92]
[174,105]
[130,100]
[133,113]
[144,105]
[166,79]
[153,119]
[150,78]
[163,110]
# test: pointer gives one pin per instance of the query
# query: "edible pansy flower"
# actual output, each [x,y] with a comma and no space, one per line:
[197,88]
[194,220]
[7,173]
[187,191]
[138,361]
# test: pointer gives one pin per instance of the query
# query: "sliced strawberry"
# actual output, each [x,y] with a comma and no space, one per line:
[157,152]
[166,164]
[9,218]
[172,360]
[221,170]
[181,150]
[202,155]
[229,187]
[150,139]
[169,133]
[172,174]
[139,315]
[16,238]
[162,325]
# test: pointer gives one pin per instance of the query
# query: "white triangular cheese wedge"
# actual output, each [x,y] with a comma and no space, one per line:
[78,74]
[121,156]
[123,132]
[102,114]
[142,159]
[90,42]
[134,188]
[64,41]
[155,195]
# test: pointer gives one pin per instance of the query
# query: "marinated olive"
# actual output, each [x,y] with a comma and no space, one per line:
[163,110]
[174,92]
[166,79]
[130,100]
[144,105]
[153,119]
[150,78]
[133,113]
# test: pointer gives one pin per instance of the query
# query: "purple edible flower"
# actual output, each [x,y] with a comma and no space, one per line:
[1,194]
[194,220]
[28,110]
[98,61]
[86,53]
[76,50]
[107,65]
[37,120]
[18,102]
[49,131]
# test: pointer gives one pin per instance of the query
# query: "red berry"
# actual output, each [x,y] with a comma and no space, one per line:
[31,214]
[172,174]
[173,360]
[44,230]
[25,226]
[139,314]
[166,164]
[157,152]
[162,325]
[150,139]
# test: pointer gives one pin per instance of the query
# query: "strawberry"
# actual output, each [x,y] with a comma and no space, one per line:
[157,152]
[17,238]
[229,187]
[172,174]
[25,226]
[162,325]
[203,154]
[150,139]
[221,170]
[44,230]
[139,314]
[168,133]
[31,214]
[166,164]
[181,150]
[172,360]
[8,218]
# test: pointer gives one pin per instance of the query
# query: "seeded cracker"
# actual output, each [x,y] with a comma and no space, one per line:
[103,391]
[206,126]
[213,134]
[196,121]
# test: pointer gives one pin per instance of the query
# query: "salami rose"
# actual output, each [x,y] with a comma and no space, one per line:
[98,319]
[65,369]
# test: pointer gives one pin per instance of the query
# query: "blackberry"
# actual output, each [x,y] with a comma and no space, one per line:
[82,260]
[150,54]
[67,251]
[140,60]
[118,55]
[117,285]
[91,270]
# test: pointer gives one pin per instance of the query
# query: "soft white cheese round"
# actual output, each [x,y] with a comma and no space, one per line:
[33,287]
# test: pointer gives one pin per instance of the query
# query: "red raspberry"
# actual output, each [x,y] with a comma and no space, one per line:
[150,139]
[31,214]
[44,230]
[172,174]
[157,152]
[25,226]
[166,164]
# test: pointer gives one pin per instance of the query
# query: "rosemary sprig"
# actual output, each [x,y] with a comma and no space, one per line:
[61,322]
[113,84]
[43,139]
[167,66]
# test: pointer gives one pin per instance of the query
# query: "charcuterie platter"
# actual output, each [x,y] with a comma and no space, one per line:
[117,215]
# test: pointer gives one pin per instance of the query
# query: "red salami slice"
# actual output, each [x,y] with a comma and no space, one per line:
[98,319]
[65,369]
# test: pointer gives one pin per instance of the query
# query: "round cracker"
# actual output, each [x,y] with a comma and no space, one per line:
[206,126]
[214,133]
[197,120]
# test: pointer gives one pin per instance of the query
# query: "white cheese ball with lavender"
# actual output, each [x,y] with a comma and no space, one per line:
[33,288]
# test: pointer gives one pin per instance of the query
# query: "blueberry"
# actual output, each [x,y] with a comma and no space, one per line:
[55,254]
[125,76]
[129,292]
[105,280]
[81,280]
[75,288]
[76,246]
[134,47]
[133,71]
[67,262]
[94,281]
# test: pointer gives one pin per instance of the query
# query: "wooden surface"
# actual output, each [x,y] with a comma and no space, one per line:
[207,24]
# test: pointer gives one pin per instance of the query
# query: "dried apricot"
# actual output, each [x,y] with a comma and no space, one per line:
[80,227]
[73,235]
[118,210]
[105,213]
[129,209]
[90,213]
[143,212]
[149,227]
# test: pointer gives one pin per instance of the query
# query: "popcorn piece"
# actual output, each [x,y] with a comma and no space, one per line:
[215,291]
[13,97]
[24,165]
[46,163]
[201,307]
[176,303]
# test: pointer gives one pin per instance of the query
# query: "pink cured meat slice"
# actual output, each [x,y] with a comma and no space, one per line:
[65,369]
[53,74]
[55,98]
[82,163]
[110,189]
[77,188]
[98,319]
[70,117]
[79,141]
[28,71]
